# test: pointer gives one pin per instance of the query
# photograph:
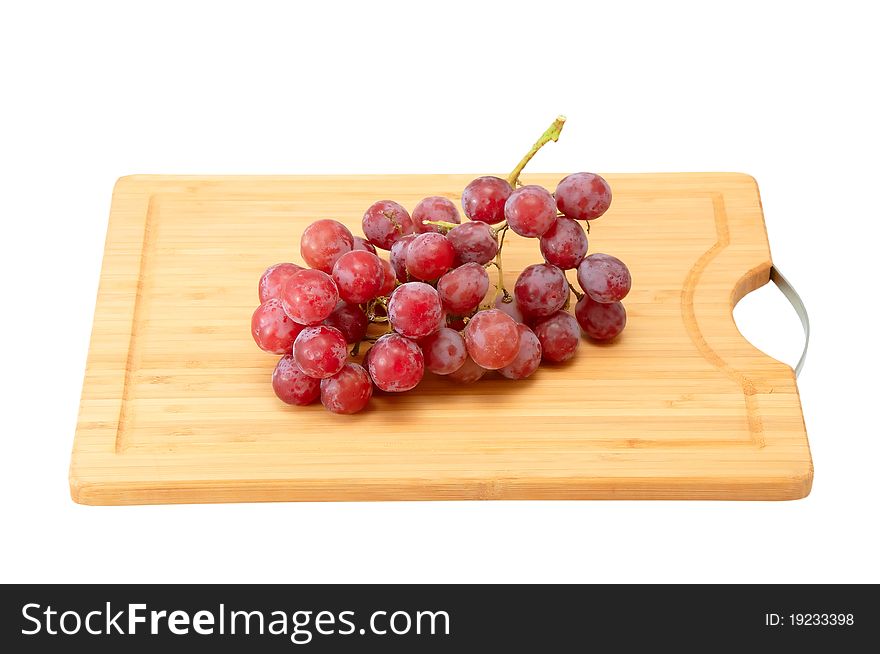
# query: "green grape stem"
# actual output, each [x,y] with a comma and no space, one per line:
[442,224]
[551,134]
[499,288]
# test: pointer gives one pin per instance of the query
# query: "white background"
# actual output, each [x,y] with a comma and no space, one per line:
[783,91]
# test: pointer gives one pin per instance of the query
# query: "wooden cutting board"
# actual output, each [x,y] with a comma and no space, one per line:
[177,404]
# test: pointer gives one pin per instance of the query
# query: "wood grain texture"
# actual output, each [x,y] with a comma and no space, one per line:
[177,404]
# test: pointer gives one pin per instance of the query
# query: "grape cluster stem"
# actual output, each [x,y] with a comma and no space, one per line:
[500,290]
[445,226]
[550,134]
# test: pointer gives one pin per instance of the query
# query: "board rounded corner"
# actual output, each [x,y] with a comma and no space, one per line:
[131,183]
[82,491]
[800,483]
[77,489]
[745,178]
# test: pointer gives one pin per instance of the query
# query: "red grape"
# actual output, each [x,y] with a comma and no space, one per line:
[398,257]
[483,199]
[559,335]
[348,391]
[583,196]
[309,296]
[468,373]
[564,244]
[604,278]
[414,310]
[323,242]
[360,243]
[273,280]
[600,320]
[462,289]
[492,339]
[359,276]
[429,256]
[396,364]
[320,351]
[527,359]
[292,385]
[351,320]
[541,290]
[390,280]
[434,208]
[510,308]
[474,242]
[385,222]
[530,211]
[272,329]
[444,351]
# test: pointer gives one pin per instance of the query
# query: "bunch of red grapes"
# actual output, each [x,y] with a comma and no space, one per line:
[432,295]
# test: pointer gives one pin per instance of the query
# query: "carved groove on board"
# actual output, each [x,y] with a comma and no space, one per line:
[756,429]
[132,361]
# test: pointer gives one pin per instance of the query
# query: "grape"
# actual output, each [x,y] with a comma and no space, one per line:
[320,351]
[385,222]
[583,196]
[444,351]
[292,385]
[360,243]
[351,320]
[390,280]
[398,257]
[483,199]
[564,244]
[462,289]
[359,276]
[527,359]
[429,256]
[414,310]
[541,290]
[559,335]
[273,280]
[434,208]
[272,329]
[396,364]
[600,321]
[323,242]
[474,242]
[530,211]
[348,391]
[604,278]
[510,308]
[492,339]
[309,296]
[468,373]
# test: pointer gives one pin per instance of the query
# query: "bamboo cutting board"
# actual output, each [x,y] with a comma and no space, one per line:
[177,404]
